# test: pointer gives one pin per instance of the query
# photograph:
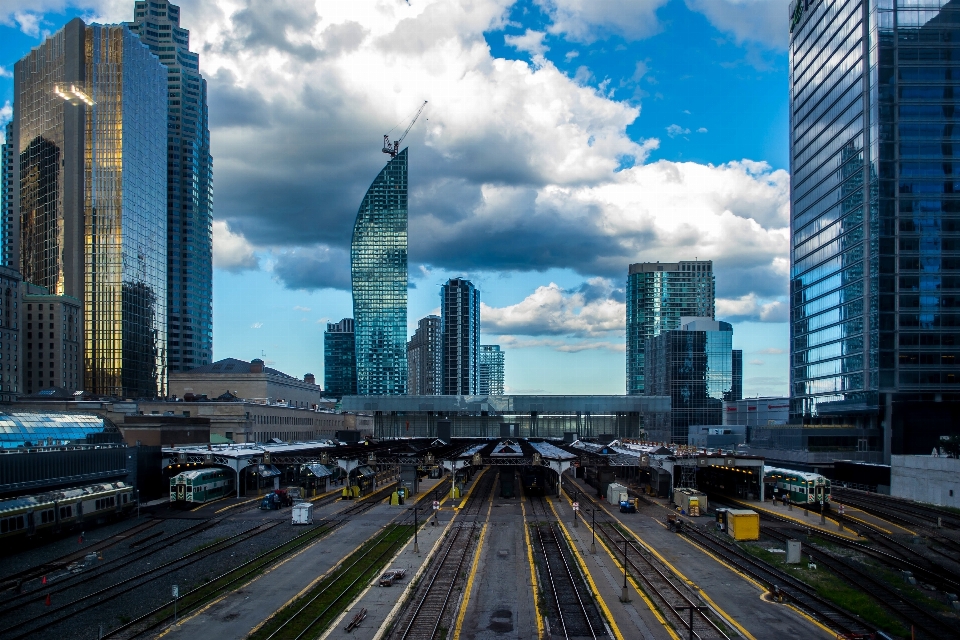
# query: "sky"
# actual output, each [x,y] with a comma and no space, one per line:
[562,141]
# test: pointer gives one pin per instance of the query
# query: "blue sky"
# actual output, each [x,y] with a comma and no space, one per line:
[563,140]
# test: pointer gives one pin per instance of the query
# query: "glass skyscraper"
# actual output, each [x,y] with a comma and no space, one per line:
[459,337]
[189,186]
[694,366]
[90,130]
[491,370]
[339,359]
[378,271]
[658,294]
[423,358]
[875,217]
[7,193]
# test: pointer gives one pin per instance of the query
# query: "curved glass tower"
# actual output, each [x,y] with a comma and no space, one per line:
[378,271]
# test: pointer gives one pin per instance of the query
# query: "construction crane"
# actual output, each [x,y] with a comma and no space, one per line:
[394,149]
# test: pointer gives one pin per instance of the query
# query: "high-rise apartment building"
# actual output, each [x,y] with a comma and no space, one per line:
[491,371]
[459,337]
[658,294]
[423,358]
[875,218]
[378,273]
[694,366]
[7,193]
[89,218]
[189,187]
[340,359]
[50,340]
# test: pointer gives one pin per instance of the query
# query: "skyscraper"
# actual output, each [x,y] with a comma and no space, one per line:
[658,294]
[339,359]
[875,218]
[90,132]
[378,271]
[736,391]
[459,337]
[7,193]
[423,358]
[189,186]
[694,366]
[491,370]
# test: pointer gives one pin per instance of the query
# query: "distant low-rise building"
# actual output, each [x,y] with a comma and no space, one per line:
[753,412]
[248,381]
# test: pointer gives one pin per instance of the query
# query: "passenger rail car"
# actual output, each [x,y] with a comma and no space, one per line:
[800,487]
[533,481]
[56,510]
[200,485]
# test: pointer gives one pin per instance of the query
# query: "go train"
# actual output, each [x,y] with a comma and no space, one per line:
[800,487]
[57,510]
[199,486]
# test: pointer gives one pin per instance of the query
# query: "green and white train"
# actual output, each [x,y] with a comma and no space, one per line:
[200,485]
[801,487]
[63,509]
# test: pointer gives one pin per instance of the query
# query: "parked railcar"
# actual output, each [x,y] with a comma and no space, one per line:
[200,485]
[533,481]
[801,487]
[57,510]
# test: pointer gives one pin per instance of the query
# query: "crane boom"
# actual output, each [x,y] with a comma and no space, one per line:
[394,148]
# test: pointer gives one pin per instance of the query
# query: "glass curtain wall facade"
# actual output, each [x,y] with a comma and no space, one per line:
[460,337]
[491,370]
[423,358]
[7,193]
[658,295]
[875,254]
[695,368]
[736,392]
[339,359]
[378,273]
[189,187]
[90,130]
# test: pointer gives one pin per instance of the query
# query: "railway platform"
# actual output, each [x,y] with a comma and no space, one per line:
[740,599]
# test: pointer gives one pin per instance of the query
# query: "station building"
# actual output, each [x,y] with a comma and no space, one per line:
[248,380]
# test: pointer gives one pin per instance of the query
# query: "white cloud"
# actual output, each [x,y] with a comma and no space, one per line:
[702,130]
[756,362]
[589,20]
[749,307]
[6,114]
[772,351]
[563,346]
[299,308]
[675,130]
[589,311]
[762,21]
[570,55]
[5,73]
[530,42]
[231,251]
[256,325]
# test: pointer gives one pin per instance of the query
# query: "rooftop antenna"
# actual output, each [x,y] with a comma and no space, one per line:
[393,149]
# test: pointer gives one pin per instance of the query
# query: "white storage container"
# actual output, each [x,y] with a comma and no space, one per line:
[616,493]
[303,513]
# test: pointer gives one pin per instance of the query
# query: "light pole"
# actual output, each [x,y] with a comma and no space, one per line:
[416,543]
[593,543]
[625,596]
[138,504]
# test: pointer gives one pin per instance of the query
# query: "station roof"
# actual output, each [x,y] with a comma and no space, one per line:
[251,450]
[551,452]
[33,429]
[509,405]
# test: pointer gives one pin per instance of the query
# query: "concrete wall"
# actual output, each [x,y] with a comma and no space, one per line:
[926,479]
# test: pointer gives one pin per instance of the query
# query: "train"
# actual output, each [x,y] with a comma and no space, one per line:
[533,484]
[801,487]
[199,486]
[55,511]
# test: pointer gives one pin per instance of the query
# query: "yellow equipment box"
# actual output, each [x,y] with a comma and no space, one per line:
[743,524]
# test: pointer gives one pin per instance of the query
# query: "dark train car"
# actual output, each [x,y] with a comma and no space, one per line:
[508,485]
[533,481]
[862,475]
[64,508]
[600,478]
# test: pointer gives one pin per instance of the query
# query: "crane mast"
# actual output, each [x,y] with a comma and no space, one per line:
[392,149]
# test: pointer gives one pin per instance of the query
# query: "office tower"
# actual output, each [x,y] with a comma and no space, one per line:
[90,132]
[11,354]
[189,186]
[378,272]
[491,371]
[875,219]
[658,294]
[694,366]
[339,359]
[51,340]
[423,358]
[736,391]
[459,337]
[7,192]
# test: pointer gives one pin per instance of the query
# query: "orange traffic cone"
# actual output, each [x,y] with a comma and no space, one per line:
[47,601]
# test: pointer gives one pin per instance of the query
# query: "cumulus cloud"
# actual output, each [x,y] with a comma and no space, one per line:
[589,20]
[675,130]
[749,307]
[531,42]
[256,325]
[702,130]
[563,346]
[231,251]
[761,21]
[596,308]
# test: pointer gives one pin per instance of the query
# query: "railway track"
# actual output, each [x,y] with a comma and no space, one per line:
[480,494]
[571,607]
[900,511]
[538,507]
[424,618]
[54,615]
[913,614]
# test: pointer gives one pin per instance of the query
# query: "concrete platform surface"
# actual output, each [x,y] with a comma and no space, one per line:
[796,514]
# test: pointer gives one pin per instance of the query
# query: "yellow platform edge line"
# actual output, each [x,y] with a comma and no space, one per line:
[586,573]
[816,527]
[533,570]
